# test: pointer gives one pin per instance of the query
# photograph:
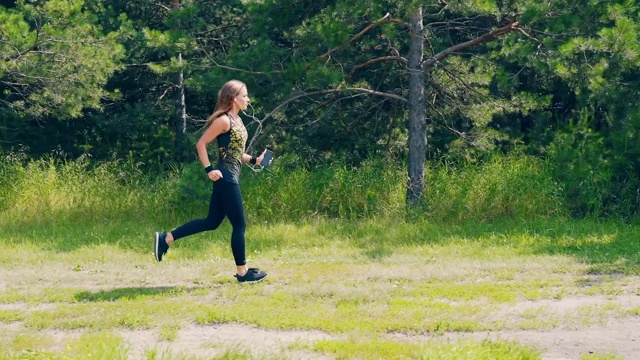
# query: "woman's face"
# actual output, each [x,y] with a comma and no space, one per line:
[242,99]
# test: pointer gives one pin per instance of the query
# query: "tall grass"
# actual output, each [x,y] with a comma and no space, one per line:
[502,188]
[67,191]
[372,190]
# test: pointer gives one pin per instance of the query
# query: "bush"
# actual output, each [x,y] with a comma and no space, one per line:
[518,187]
[597,177]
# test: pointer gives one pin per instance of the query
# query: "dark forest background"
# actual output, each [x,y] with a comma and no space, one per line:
[408,83]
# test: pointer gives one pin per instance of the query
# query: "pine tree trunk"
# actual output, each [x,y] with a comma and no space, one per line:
[182,105]
[181,109]
[417,120]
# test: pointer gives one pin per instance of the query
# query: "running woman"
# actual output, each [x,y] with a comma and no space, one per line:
[227,129]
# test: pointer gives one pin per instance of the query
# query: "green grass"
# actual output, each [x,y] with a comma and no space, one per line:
[462,350]
[345,260]
[81,191]
[104,345]
[430,279]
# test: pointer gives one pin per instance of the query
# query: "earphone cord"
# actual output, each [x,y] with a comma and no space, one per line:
[254,168]
[254,120]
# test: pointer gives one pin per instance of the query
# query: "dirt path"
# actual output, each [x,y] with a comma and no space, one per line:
[608,336]
[619,337]
[604,332]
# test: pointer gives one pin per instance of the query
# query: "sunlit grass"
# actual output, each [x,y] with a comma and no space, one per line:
[426,281]
[597,356]
[93,345]
[433,350]
[343,257]
[460,279]
[80,191]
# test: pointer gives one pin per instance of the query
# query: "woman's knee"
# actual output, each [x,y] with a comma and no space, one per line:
[239,225]
[211,227]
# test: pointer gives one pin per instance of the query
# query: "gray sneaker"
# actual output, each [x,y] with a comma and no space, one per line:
[160,245]
[253,275]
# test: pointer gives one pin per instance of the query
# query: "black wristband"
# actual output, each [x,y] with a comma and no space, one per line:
[252,161]
[208,169]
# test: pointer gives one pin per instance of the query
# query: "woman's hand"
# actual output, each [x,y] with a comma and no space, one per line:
[259,158]
[215,175]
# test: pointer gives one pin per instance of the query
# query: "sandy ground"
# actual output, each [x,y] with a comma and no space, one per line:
[606,334]
[615,336]
[619,337]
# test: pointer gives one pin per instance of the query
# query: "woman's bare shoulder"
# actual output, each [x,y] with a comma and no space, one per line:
[222,121]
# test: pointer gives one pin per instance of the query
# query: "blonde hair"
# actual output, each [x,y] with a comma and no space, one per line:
[226,94]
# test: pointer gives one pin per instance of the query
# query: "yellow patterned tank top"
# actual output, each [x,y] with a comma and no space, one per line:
[230,150]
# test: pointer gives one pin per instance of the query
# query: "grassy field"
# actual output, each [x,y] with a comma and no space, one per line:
[492,269]
[365,290]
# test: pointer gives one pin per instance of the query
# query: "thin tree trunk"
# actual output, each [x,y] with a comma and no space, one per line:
[417,107]
[181,116]
[182,108]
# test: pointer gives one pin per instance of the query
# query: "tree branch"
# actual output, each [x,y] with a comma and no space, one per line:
[376,60]
[511,26]
[164,7]
[242,70]
[357,36]
[332,91]
[211,58]
[19,54]
[528,35]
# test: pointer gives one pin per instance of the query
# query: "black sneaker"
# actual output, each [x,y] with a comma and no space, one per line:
[253,275]
[160,245]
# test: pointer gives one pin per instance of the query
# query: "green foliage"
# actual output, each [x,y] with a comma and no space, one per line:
[55,59]
[99,79]
[137,134]
[595,181]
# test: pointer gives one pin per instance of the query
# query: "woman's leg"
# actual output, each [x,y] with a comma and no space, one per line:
[211,222]
[234,209]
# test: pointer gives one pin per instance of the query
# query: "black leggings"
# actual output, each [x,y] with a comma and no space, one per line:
[226,200]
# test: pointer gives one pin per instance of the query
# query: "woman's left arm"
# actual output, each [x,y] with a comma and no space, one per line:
[247,158]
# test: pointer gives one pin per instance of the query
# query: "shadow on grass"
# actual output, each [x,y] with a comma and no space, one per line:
[608,246]
[125,231]
[131,293]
